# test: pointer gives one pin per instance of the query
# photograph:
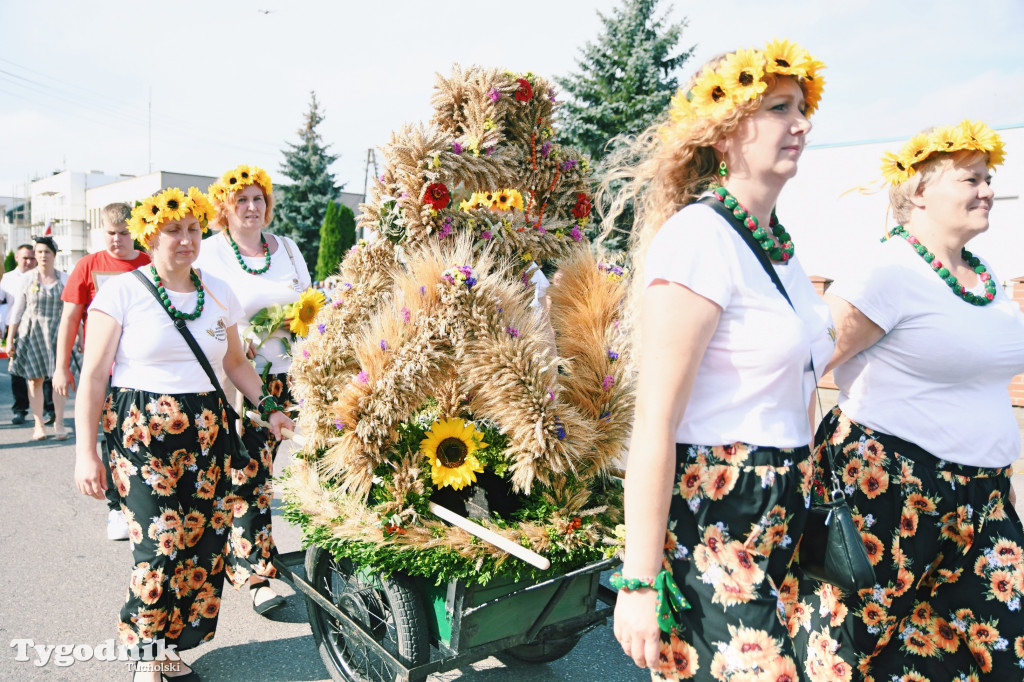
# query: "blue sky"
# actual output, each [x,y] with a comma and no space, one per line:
[230,83]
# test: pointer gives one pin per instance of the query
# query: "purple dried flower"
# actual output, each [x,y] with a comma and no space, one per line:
[423,291]
[321,328]
[613,356]
[456,148]
[381,178]
[551,94]
[363,376]
[559,429]
[446,228]
[494,94]
[405,314]
[338,424]
[568,164]
[488,150]
[486,234]
[338,303]
[606,415]
[383,344]
[545,149]
[551,394]
[608,382]
[405,195]
[513,332]
[575,233]
[305,353]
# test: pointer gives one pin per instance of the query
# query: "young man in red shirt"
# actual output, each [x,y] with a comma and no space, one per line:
[118,256]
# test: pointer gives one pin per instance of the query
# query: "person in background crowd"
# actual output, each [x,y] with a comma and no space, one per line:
[924,435]
[32,335]
[89,274]
[720,451]
[10,287]
[165,425]
[263,269]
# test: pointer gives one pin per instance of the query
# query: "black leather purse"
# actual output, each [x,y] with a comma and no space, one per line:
[831,549]
[236,448]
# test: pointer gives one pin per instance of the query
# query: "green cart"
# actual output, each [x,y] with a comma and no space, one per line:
[400,628]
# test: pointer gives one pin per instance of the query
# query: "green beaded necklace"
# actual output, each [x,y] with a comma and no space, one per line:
[944,273]
[241,261]
[166,300]
[782,251]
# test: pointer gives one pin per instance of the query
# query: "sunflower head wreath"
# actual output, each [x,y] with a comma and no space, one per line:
[236,180]
[150,214]
[899,167]
[742,76]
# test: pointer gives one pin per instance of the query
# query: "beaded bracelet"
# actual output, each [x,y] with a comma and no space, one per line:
[267,405]
[671,601]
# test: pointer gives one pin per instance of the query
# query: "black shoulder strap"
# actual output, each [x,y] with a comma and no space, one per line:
[182,327]
[748,237]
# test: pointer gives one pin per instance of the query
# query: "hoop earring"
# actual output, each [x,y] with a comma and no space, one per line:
[722,170]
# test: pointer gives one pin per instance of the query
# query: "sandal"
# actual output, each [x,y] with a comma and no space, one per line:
[63,435]
[267,605]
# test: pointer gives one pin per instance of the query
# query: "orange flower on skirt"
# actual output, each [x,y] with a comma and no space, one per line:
[874,547]
[678,659]
[874,481]
[719,481]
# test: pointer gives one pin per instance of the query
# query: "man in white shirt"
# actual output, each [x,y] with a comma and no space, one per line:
[10,287]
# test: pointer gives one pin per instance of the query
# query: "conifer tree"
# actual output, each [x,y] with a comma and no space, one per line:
[337,235]
[625,78]
[10,262]
[347,221]
[300,212]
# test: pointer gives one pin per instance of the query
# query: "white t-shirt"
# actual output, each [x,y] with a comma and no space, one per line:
[151,353]
[940,376]
[279,285]
[754,382]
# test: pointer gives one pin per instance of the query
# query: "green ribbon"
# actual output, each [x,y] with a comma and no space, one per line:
[671,602]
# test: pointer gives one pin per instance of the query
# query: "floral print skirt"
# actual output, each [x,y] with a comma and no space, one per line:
[169,465]
[948,552]
[251,547]
[736,514]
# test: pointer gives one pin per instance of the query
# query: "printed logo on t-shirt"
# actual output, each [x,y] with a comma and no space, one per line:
[219,330]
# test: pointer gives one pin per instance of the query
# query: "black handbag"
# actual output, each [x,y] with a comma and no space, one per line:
[831,549]
[236,448]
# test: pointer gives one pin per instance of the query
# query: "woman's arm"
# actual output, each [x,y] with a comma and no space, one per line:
[246,380]
[100,349]
[17,310]
[676,325]
[854,331]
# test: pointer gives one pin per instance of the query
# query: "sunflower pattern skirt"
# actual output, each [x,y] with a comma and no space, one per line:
[735,516]
[168,462]
[948,552]
[251,548]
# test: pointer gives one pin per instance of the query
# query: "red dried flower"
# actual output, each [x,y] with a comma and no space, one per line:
[437,195]
[583,205]
[575,523]
[525,91]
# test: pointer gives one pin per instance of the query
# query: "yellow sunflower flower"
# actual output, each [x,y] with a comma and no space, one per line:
[172,204]
[680,109]
[516,201]
[305,311]
[894,170]
[710,98]
[996,153]
[916,150]
[149,210]
[979,136]
[200,206]
[785,58]
[449,446]
[947,139]
[743,74]
[813,85]
[501,200]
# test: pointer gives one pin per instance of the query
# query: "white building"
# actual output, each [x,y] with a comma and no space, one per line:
[58,203]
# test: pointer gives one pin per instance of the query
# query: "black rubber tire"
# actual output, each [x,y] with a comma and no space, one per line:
[389,607]
[545,651]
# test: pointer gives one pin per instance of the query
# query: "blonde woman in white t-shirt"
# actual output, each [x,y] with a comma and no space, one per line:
[925,434]
[264,270]
[166,429]
[720,445]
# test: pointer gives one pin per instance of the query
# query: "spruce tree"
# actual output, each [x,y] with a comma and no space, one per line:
[300,212]
[625,79]
[337,236]
[347,221]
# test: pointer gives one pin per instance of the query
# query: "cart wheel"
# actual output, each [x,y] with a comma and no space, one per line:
[388,607]
[544,652]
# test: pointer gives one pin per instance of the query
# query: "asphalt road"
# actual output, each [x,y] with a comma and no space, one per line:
[63,583]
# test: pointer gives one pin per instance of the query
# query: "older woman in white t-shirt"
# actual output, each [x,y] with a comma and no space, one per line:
[924,433]
[264,270]
[165,426]
[720,445]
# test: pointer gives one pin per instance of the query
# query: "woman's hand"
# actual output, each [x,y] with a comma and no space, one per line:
[279,420]
[250,350]
[636,626]
[90,478]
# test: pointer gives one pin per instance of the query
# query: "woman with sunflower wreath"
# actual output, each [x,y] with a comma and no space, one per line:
[263,270]
[720,452]
[924,435]
[165,426]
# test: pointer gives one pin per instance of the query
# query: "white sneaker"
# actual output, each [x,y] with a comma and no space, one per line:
[117,527]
